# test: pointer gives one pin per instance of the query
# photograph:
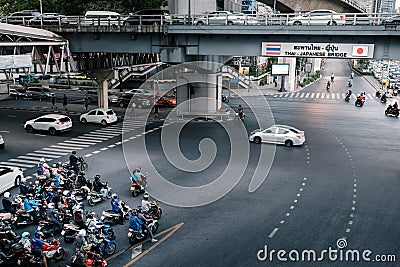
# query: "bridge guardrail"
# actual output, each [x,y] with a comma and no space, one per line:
[157,23]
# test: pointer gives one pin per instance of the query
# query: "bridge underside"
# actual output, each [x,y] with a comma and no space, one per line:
[289,6]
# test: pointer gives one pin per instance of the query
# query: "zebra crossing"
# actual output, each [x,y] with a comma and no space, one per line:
[325,96]
[65,147]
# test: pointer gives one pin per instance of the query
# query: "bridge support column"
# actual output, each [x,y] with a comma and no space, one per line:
[103,95]
[290,80]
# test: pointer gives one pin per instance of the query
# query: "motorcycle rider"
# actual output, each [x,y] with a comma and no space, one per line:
[348,94]
[143,223]
[73,161]
[80,240]
[146,204]
[52,214]
[43,168]
[352,74]
[116,206]
[134,222]
[37,243]
[137,177]
[350,82]
[81,181]
[78,217]
[29,203]
[383,97]
[332,77]
[26,242]
[57,177]
[240,112]
[7,204]
[91,220]
[328,85]
[24,188]
[98,186]
[395,106]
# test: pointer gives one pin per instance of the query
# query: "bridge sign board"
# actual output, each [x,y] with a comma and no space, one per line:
[321,50]
[234,80]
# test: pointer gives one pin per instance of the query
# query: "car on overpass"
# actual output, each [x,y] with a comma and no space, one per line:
[319,17]
[23,17]
[48,19]
[392,20]
[278,134]
[93,97]
[148,17]
[221,18]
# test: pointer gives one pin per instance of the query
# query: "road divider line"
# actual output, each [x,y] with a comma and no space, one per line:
[144,241]
[271,235]
[176,228]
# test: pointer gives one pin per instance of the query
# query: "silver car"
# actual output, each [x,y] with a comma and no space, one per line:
[278,134]
[221,18]
[319,17]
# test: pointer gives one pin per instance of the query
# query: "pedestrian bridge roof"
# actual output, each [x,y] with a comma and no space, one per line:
[29,32]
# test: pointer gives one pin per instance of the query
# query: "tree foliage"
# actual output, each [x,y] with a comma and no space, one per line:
[79,7]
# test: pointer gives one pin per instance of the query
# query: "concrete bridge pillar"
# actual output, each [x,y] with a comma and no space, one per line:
[290,80]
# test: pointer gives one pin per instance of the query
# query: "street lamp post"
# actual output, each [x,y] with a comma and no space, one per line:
[274,6]
[41,7]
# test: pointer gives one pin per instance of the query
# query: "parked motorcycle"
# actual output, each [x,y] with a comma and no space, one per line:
[96,197]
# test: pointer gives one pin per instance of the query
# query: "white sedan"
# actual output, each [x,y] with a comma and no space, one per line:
[278,134]
[99,115]
[2,144]
[9,177]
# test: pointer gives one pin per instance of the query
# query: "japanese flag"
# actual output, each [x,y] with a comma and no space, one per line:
[360,51]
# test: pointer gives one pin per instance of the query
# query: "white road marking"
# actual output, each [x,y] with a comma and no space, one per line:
[48,153]
[37,158]
[16,164]
[104,148]
[136,251]
[80,142]
[271,235]
[73,145]
[66,151]
[317,95]
[96,152]
[24,161]
[312,95]
[86,139]
[66,148]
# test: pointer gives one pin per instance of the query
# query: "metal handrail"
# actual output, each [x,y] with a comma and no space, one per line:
[238,19]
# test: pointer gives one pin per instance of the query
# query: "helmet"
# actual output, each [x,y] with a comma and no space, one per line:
[73,152]
[114,195]
[97,177]
[82,232]
[59,171]
[66,193]
[36,182]
[138,169]
[23,180]
[139,209]
[82,173]
[38,234]
[7,194]
[25,235]
[59,191]
[42,160]
[51,205]
[29,195]
[146,196]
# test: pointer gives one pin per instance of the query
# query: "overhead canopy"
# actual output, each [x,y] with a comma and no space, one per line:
[15,33]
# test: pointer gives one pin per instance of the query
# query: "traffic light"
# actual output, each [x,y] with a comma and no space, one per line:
[22,80]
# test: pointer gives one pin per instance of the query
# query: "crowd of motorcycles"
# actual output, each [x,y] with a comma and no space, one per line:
[391,110]
[71,219]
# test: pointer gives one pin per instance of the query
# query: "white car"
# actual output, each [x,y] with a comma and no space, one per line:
[278,134]
[9,177]
[53,123]
[99,115]
[2,144]
[319,17]
[221,18]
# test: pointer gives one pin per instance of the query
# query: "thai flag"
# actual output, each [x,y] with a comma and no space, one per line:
[273,49]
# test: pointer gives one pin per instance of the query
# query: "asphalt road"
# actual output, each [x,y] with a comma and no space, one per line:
[343,183]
